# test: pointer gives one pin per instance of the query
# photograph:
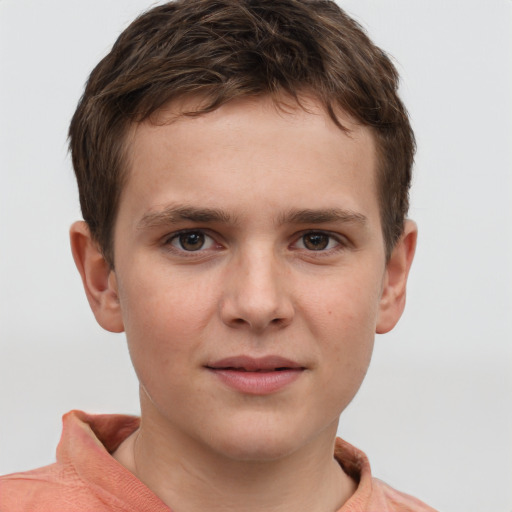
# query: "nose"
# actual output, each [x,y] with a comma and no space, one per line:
[256,295]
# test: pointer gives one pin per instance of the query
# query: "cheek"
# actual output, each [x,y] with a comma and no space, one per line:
[164,320]
[342,318]
[345,350]
[345,304]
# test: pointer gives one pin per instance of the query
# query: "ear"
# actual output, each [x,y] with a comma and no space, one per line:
[392,302]
[98,278]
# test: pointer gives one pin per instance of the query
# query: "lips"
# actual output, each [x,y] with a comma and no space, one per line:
[251,364]
[256,376]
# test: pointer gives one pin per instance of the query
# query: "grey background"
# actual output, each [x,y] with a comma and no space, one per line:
[434,414]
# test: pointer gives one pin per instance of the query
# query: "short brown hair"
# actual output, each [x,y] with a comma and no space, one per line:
[226,49]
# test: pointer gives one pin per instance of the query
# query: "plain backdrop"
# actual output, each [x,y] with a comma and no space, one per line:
[434,414]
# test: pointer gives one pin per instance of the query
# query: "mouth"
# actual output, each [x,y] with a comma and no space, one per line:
[254,370]
[255,365]
[256,376]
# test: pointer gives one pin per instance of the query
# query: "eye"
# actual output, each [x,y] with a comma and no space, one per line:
[317,241]
[191,241]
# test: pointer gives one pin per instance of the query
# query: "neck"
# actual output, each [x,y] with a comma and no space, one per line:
[189,477]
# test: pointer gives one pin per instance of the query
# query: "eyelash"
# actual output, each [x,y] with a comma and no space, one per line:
[340,241]
[182,251]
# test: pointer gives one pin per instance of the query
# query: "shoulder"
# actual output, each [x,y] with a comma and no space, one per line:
[55,488]
[387,498]
[85,476]
[372,494]
[40,490]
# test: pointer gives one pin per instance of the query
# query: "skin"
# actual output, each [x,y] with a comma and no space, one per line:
[258,286]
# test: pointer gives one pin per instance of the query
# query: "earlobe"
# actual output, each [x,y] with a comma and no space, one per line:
[392,301]
[98,278]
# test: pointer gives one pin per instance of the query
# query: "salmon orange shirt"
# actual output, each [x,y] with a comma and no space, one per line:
[87,478]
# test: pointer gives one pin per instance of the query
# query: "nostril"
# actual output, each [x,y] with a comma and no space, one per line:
[255,312]
[280,322]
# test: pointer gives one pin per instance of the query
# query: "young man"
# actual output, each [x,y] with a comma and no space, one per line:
[243,169]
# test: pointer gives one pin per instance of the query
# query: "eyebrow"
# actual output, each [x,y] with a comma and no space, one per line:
[174,214]
[322,216]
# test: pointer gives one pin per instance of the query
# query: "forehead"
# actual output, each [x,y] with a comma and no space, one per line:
[283,152]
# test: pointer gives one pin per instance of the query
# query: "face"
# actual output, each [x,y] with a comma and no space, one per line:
[250,272]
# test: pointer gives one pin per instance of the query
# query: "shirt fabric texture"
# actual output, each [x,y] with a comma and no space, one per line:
[87,478]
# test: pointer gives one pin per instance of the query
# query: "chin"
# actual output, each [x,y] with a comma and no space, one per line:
[257,442]
[261,449]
